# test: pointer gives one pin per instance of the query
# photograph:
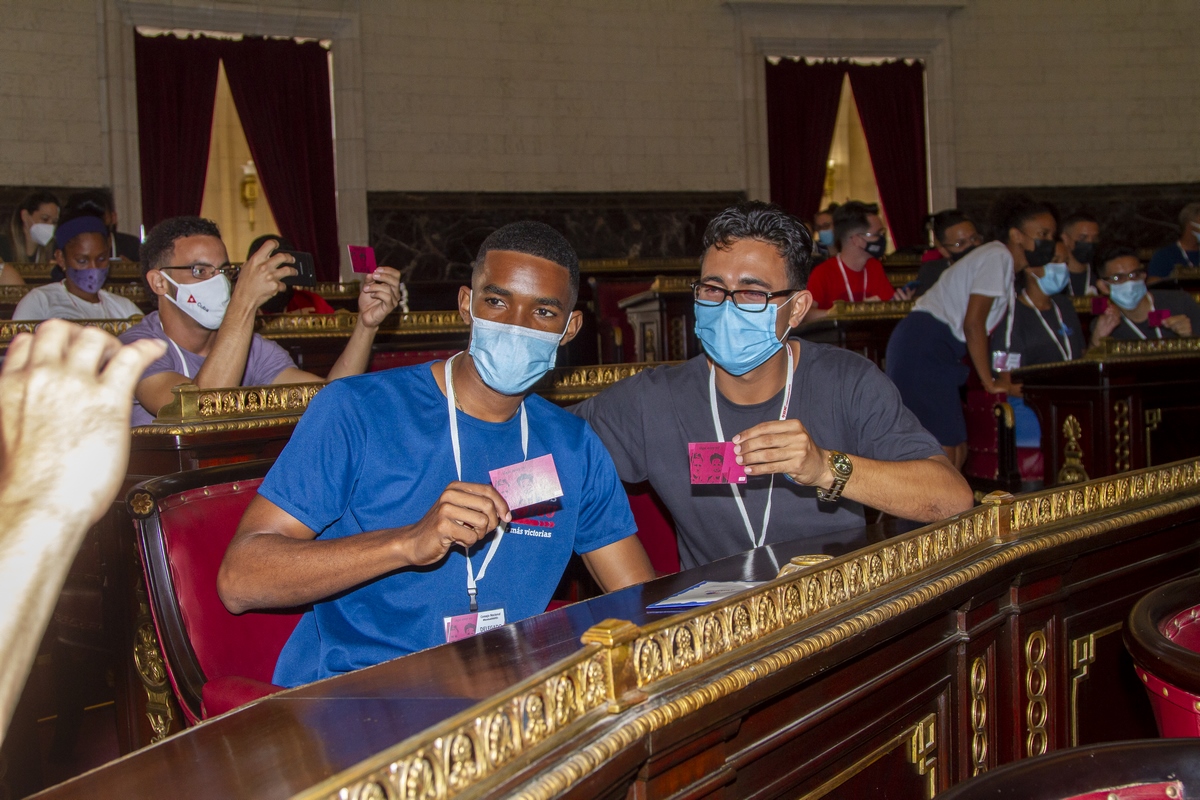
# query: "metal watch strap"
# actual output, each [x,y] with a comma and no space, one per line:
[834,493]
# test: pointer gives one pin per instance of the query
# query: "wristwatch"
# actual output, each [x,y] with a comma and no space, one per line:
[841,466]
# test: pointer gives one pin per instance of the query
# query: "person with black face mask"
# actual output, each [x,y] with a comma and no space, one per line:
[855,274]
[1079,234]
[955,317]
[954,235]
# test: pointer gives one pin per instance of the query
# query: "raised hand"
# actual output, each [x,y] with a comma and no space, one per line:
[462,515]
[379,296]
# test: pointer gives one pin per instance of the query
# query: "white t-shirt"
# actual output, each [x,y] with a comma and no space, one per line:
[987,270]
[53,301]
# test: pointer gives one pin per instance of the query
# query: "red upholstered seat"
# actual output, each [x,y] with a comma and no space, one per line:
[1163,636]
[655,529]
[215,660]
[993,459]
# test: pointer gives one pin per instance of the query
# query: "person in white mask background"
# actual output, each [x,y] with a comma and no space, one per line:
[382,513]
[1184,252]
[30,234]
[82,253]
[819,430]
[208,322]
[1135,312]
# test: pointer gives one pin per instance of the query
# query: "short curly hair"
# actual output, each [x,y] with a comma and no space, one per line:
[159,246]
[765,222]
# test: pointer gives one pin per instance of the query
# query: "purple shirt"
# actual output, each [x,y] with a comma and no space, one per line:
[263,364]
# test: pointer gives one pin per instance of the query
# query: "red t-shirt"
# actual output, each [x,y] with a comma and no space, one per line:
[827,284]
[302,300]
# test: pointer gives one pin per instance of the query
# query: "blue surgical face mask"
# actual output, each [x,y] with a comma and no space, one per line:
[511,358]
[1127,295]
[737,340]
[1054,278]
[825,237]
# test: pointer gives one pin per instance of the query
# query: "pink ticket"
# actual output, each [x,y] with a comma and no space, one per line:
[528,483]
[362,259]
[714,462]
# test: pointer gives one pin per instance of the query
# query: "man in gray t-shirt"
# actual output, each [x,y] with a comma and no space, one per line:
[819,430]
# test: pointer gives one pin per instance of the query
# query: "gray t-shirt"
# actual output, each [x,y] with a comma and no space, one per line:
[844,401]
[263,364]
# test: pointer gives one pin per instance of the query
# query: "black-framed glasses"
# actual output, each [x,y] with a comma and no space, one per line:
[708,294]
[1125,277]
[206,271]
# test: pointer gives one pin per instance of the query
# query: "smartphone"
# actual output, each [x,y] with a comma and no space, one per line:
[306,271]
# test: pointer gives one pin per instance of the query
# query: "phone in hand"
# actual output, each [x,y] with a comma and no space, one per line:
[306,271]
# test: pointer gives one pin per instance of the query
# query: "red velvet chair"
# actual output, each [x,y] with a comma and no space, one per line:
[1163,636]
[215,660]
[993,459]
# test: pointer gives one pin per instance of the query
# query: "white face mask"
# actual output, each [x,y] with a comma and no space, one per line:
[204,302]
[42,233]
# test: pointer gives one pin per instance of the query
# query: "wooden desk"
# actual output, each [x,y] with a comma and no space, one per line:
[906,665]
[663,320]
[862,327]
[1126,406]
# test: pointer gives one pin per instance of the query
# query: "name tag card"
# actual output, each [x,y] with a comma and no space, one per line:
[714,462]
[528,483]
[464,626]
[362,259]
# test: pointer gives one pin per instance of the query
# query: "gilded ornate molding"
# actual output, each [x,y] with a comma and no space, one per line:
[891,309]
[152,670]
[1037,710]
[193,404]
[1153,419]
[9,329]
[922,752]
[672,284]
[573,384]
[1082,303]
[1072,470]
[653,265]
[1083,653]
[979,715]
[338,291]
[232,426]
[130,291]
[898,279]
[770,628]
[1115,349]
[341,323]
[117,270]
[919,742]
[1121,435]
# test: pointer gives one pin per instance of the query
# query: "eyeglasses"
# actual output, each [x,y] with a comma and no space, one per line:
[206,271]
[868,234]
[970,241]
[707,294]
[1125,277]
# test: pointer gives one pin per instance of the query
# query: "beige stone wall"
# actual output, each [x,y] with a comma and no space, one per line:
[49,94]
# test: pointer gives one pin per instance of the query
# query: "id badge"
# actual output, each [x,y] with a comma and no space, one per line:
[464,626]
[1003,361]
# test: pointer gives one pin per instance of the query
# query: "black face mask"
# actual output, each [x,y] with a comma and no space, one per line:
[954,257]
[1041,254]
[877,248]
[1083,252]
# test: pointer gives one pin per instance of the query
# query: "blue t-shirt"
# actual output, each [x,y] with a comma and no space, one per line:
[373,452]
[1165,259]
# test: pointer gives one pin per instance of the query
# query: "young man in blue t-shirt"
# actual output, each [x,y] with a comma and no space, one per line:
[370,511]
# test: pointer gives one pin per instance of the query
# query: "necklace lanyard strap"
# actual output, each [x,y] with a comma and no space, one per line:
[737,496]
[186,372]
[1138,330]
[472,579]
[1067,353]
[846,280]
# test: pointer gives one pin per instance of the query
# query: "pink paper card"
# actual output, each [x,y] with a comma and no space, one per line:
[1157,317]
[714,462]
[1099,305]
[528,483]
[465,626]
[362,259]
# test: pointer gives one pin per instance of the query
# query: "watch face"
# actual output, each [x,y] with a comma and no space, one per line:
[841,464]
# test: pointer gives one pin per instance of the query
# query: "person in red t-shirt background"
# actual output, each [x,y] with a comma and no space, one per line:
[855,274]
[291,300]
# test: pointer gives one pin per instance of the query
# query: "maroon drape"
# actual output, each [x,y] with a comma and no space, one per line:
[176,92]
[891,104]
[802,106]
[281,90]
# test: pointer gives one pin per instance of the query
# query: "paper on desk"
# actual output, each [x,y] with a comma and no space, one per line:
[704,593]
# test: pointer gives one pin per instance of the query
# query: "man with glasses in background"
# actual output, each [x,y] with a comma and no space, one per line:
[819,430]
[1133,312]
[856,273]
[209,326]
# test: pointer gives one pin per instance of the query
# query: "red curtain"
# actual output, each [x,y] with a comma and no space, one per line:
[176,92]
[891,104]
[802,106]
[281,90]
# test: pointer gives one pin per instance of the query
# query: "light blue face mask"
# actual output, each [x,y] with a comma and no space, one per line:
[511,358]
[1054,278]
[737,340]
[825,237]
[1127,295]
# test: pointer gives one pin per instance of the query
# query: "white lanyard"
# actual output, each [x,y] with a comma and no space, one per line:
[787,399]
[186,372]
[1086,283]
[1012,312]
[846,280]
[1138,330]
[472,581]
[1062,327]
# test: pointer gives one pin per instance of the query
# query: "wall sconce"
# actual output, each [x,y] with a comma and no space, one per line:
[830,170]
[249,193]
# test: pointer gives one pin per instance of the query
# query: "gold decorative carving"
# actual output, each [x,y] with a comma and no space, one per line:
[979,715]
[891,309]
[922,752]
[1072,470]
[142,504]
[802,562]
[152,670]
[10,329]
[130,291]
[913,565]
[1083,654]
[1116,349]
[1153,419]
[904,278]
[1037,710]
[193,404]
[650,265]
[672,284]
[338,291]
[920,736]
[572,384]
[1121,435]
[117,271]
[341,323]
[1082,303]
